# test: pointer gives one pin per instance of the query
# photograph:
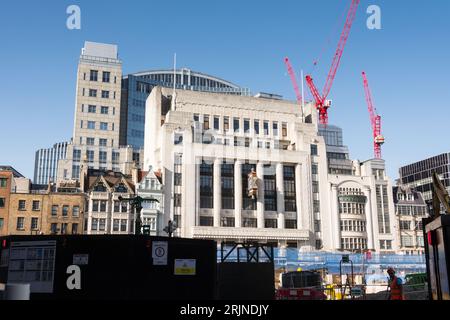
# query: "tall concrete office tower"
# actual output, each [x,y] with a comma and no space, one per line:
[97,109]
[97,115]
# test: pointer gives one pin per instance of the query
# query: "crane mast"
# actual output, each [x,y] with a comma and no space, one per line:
[375,119]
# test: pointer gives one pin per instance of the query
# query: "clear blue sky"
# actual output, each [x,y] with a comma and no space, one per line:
[407,63]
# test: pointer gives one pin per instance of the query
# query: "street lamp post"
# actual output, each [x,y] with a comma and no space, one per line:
[136,204]
[171,227]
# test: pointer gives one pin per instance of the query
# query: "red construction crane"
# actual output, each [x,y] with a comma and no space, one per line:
[321,100]
[375,120]
[294,81]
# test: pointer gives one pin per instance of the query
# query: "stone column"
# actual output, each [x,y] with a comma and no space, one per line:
[260,203]
[335,217]
[237,194]
[217,195]
[280,195]
[298,195]
[89,216]
[369,220]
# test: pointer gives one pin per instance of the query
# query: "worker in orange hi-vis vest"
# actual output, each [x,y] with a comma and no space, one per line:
[395,285]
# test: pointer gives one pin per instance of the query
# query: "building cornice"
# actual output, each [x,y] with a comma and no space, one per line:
[249,233]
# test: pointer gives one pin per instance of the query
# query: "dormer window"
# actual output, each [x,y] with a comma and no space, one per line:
[100,187]
[121,188]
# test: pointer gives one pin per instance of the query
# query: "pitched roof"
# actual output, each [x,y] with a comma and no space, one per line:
[111,179]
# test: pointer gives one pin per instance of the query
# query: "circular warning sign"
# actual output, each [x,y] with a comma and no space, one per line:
[160,252]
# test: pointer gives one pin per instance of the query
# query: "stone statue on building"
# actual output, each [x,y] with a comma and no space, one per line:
[253,184]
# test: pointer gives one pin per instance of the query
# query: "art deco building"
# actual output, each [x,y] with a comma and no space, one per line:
[209,147]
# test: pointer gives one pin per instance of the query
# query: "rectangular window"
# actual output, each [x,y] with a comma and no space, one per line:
[65,211]
[94,224]
[1,224]
[275,128]
[226,124]
[34,223]
[103,142]
[115,157]
[90,141]
[290,224]
[270,223]
[405,225]
[54,210]
[104,126]
[74,228]
[103,206]
[75,172]
[123,225]
[316,225]
[177,179]
[92,93]
[102,225]
[266,128]
[206,185]
[75,211]
[270,189]
[54,228]
[116,206]
[227,222]
[76,155]
[289,189]
[90,155]
[3,182]
[177,200]
[407,241]
[2,202]
[206,221]
[315,187]
[92,109]
[236,124]
[104,110]
[93,75]
[314,151]
[105,94]
[91,125]
[227,172]
[420,242]
[36,205]
[256,126]
[116,223]
[249,223]
[95,205]
[247,125]
[284,129]
[196,117]
[106,76]
[20,223]
[103,156]
[216,123]
[205,122]
[123,207]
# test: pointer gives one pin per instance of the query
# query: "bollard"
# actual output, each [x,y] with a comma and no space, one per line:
[17,291]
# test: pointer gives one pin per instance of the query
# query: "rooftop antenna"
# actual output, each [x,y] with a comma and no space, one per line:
[174,95]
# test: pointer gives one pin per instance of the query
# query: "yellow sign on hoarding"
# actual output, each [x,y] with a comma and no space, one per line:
[185,267]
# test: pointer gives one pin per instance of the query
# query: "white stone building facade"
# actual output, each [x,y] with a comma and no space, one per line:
[206,145]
